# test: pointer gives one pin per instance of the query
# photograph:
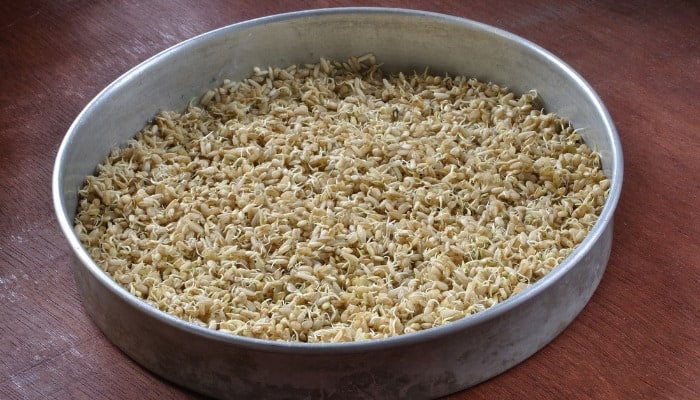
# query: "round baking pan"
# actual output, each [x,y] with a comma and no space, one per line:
[425,364]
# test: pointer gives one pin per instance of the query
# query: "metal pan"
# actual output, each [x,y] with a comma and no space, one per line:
[425,364]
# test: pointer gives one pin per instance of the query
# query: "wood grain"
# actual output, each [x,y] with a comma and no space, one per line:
[639,337]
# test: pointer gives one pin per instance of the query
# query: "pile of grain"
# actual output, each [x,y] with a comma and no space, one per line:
[333,202]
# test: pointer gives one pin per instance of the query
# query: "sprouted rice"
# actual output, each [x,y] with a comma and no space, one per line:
[335,202]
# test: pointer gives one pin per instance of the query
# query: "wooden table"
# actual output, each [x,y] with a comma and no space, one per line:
[639,337]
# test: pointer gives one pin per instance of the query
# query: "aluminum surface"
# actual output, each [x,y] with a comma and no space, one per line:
[426,364]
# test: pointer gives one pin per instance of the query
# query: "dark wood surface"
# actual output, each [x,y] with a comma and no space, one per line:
[638,338]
